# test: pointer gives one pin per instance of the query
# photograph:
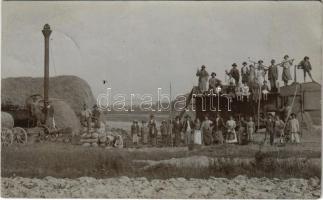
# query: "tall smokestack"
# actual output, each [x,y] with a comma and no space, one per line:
[46,32]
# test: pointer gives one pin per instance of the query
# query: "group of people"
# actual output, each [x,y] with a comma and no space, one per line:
[253,78]
[91,119]
[207,132]
[285,131]
[146,134]
[236,130]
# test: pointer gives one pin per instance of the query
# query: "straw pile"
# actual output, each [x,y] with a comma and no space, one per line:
[72,89]
[65,117]
[6,120]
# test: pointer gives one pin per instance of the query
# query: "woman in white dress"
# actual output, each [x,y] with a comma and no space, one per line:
[252,75]
[260,73]
[207,131]
[286,64]
[231,133]
[197,132]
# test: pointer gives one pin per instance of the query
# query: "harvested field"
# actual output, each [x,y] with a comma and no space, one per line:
[285,162]
[124,187]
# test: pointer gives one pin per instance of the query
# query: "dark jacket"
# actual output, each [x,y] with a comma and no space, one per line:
[164,129]
[152,128]
[185,125]
[177,127]
[272,72]
[134,129]
[235,73]
[270,125]
[305,65]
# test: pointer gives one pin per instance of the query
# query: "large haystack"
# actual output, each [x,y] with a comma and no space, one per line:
[72,89]
[6,120]
[64,116]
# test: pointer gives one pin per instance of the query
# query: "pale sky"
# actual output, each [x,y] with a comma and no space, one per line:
[141,46]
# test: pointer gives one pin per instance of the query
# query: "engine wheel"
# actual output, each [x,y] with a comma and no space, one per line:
[44,133]
[19,135]
[6,137]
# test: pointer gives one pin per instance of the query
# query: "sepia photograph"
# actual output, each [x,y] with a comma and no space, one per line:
[161,99]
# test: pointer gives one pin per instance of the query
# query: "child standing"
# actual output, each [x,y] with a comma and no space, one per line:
[279,129]
[250,129]
[294,129]
[238,91]
[265,91]
[231,91]
[245,91]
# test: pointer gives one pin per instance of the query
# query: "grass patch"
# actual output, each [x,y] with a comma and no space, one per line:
[68,161]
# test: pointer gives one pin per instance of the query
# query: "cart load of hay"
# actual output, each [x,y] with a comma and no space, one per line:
[72,89]
[6,120]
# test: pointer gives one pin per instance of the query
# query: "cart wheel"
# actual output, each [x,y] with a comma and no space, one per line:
[43,134]
[54,134]
[6,137]
[20,135]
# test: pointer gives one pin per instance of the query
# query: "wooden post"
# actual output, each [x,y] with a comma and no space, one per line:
[258,110]
[46,32]
[295,77]
[170,114]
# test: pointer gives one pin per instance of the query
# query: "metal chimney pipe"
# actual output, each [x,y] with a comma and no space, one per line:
[46,32]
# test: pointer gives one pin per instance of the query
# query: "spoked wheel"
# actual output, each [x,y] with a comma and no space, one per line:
[6,137]
[44,134]
[53,135]
[19,135]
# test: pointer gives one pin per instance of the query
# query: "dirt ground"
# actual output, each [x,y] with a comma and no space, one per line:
[124,187]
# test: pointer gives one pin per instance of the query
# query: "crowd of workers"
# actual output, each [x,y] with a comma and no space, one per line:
[236,130]
[251,80]
[218,131]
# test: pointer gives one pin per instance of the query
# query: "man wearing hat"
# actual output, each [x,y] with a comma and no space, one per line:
[86,117]
[306,66]
[96,116]
[152,130]
[164,132]
[214,82]
[244,73]
[286,64]
[273,75]
[135,132]
[234,73]
[270,124]
[144,132]
[203,78]
[188,128]
[177,128]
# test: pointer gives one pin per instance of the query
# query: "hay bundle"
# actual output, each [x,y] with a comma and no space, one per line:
[65,117]
[72,89]
[6,120]
[89,139]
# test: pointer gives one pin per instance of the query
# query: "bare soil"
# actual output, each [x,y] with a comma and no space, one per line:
[124,187]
